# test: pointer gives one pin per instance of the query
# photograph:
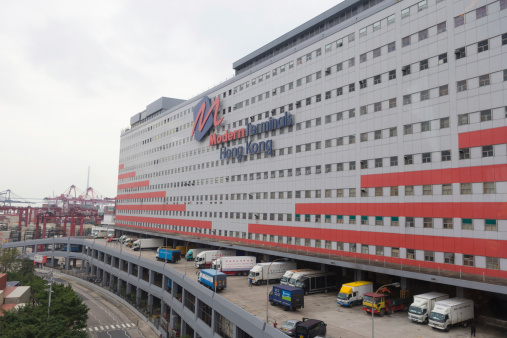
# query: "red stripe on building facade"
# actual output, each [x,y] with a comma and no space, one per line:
[121,166]
[167,221]
[483,210]
[127,175]
[133,185]
[470,246]
[154,194]
[153,207]
[484,137]
[489,173]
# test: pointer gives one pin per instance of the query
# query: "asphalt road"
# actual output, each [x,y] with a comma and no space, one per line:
[107,317]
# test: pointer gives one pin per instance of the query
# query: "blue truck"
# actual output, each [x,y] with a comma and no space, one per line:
[213,279]
[73,248]
[168,255]
[291,298]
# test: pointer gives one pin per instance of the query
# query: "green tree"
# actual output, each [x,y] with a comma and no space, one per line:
[66,303]
[10,259]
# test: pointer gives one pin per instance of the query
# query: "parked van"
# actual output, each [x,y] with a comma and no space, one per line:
[310,328]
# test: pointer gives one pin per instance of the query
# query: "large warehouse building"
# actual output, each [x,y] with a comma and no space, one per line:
[376,131]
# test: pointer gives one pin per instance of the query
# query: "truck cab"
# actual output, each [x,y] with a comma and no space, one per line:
[255,274]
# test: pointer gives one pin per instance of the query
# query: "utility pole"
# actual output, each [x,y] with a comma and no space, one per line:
[50,276]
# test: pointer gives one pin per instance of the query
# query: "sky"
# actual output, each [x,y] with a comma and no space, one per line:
[72,73]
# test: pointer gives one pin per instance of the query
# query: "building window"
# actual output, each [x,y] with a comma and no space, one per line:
[467,224]
[352,166]
[427,189]
[446,155]
[395,221]
[425,126]
[468,260]
[428,222]
[489,188]
[446,189]
[487,151]
[339,192]
[484,80]
[486,115]
[352,219]
[460,53]
[442,58]
[407,99]
[394,161]
[379,191]
[379,220]
[362,32]
[376,79]
[425,95]
[441,27]
[423,35]
[377,106]
[461,86]
[466,188]
[429,256]
[391,19]
[352,87]
[409,190]
[443,90]
[364,220]
[463,119]
[379,250]
[405,41]
[392,74]
[448,258]
[365,249]
[409,222]
[459,20]
[395,252]
[490,225]
[493,263]
[444,122]
[423,64]
[394,191]
[363,84]
[339,91]
[481,12]
[410,253]
[464,153]
[503,4]
[362,58]
[364,137]
[352,62]
[422,5]
[448,223]
[364,164]
[392,103]
[405,70]
[405,13]
[504,36]
[339,67]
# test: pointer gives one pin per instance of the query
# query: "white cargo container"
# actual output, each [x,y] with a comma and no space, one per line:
[259,273]
[295,277]
[204,259]
[288,274]
[147,243]
[234,265]
[423,305]
[451,312]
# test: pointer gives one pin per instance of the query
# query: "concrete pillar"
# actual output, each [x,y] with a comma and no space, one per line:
[459,292]
[213,322]
[138,296]
[150,299]
[183,330]
[235,328]
[164,283]
[404,283]
[359,274]
[139,272]
[151,278]
[129,288]
[67,260]
[171,318]
[322,268]
[129,268]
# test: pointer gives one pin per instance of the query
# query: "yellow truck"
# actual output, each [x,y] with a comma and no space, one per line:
[352,293]
[184,249]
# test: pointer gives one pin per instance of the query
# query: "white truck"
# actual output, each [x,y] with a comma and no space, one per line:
[147,243]
[234,265]
[204,258]
[288,274]
[259,273]
[423,305]
[99,232]
[295,277]
[192,253]
[352,293]
[451,312]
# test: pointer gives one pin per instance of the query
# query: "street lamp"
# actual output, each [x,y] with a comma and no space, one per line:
[373,304]
[267,287]
[50,277]
[186,249]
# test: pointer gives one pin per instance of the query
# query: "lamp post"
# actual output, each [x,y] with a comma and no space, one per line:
[373,304]
[216,271]
[50,280]
[267,287]
[186,249]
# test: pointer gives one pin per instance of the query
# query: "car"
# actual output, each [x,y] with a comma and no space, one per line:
[289,326]
[310,328]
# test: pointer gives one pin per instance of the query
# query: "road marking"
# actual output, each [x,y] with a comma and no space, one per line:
[123,325]
[102,328]
[118,326]
[128,325]
[107,327]
[96,328]
[91,329]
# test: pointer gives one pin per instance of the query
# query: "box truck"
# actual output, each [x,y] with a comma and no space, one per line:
[289,297]
[352,293]
[288,274]
[168,255]
[184,248]
[319,282]
[234,265]
[423,304]
[259,273]
[204,258]
[212,279]
[147,243]
[296,276]
[451,312]
[192,253]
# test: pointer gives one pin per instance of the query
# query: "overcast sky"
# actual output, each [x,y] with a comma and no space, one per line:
[72,73]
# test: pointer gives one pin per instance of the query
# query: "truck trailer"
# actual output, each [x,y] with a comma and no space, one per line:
[423,304]
[289,297]
[352,293]
[259,273]
[297,275]
[147,243]
[204,258]
[451,312]
[288,275]
[234,265]
[213,280]
[318,282]
[168,255]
